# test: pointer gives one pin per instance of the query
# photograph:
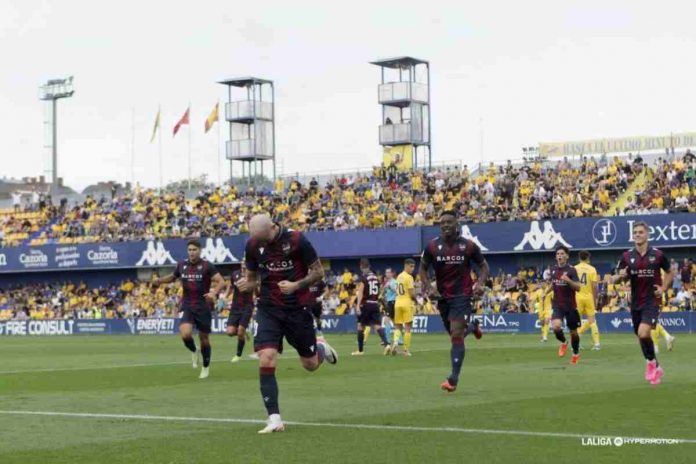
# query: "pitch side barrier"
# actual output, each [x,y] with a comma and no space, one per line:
[684,322]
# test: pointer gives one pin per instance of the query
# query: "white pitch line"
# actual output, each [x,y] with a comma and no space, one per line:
[401,428]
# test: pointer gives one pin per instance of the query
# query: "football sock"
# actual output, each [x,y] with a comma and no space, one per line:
[560,336]
[190,344]
[240,345]
[407,340]
[575,342]
[269,389]
[457,359]
[396,336]
[646,344]
[595,333]
[205,351]
[382,336]
[361,340]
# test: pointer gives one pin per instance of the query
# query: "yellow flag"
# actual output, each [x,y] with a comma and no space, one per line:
[212,118]
[156,127]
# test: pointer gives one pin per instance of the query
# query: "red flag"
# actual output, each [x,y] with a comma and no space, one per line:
[184,120]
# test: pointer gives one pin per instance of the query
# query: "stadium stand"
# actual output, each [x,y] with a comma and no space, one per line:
[528,191]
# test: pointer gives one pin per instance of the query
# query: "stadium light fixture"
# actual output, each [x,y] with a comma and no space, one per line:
[52,91]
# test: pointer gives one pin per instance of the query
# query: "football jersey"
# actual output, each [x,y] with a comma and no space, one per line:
[404,283]
[588,278]
[370,288]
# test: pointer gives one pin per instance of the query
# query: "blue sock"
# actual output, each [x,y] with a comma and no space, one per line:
[269,389]
[457,358]
[382,336]
[205,351]
[190,344]
[388,330]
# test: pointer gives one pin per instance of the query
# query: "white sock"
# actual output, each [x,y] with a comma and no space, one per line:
[274,418]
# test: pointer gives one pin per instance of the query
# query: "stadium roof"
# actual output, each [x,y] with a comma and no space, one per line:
[398,62]
[244,81]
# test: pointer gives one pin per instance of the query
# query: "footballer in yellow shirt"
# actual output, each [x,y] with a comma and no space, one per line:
[587,296]
[404,308]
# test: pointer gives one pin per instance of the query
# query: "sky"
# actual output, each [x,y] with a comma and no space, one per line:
[503,75]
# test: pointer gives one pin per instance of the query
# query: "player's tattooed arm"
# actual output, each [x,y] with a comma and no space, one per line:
[314,275]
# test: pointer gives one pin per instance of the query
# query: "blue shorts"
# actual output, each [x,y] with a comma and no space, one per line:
[370,315]
[645,315]
[571,316]
[201,320]
[295,324]
[458,308]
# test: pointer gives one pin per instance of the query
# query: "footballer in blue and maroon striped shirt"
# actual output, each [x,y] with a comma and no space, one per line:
[241,310]
[643,266]
[201,283]
[452,256]
[565,283]
[285,265]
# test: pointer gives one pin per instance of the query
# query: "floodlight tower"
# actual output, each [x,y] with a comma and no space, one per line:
[251,119]
[404,95]
[52,91]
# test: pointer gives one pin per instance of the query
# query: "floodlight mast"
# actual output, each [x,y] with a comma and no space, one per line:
[53,90]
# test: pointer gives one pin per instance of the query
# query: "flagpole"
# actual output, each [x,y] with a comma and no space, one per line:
[133,147]
[189,147]
[159,113]
[219,155]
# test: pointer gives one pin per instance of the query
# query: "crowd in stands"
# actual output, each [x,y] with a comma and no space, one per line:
[504,293]
[534,190]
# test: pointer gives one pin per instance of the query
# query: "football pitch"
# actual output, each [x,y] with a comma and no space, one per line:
[125,399]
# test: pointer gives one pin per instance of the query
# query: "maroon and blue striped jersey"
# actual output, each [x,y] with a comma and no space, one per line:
[452,264]
[195,280]
[287,257]
[240,300]
[370,288]
[644,273]
[563,293]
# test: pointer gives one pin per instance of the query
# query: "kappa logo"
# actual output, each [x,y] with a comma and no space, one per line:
[261,250]
[216,252]
[286,247]
[536,239]
[616,322]
[604,232]
[466,233]
[155,255]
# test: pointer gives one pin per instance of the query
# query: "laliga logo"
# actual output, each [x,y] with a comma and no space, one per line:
[535,238]
[217,252]
[616,322]
[604,232]
[155,256]
[466,233]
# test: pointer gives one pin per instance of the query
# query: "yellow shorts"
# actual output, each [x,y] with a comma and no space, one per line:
[586,306]
[403,313]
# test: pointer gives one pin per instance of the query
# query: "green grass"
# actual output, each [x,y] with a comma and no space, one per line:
[509,382]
